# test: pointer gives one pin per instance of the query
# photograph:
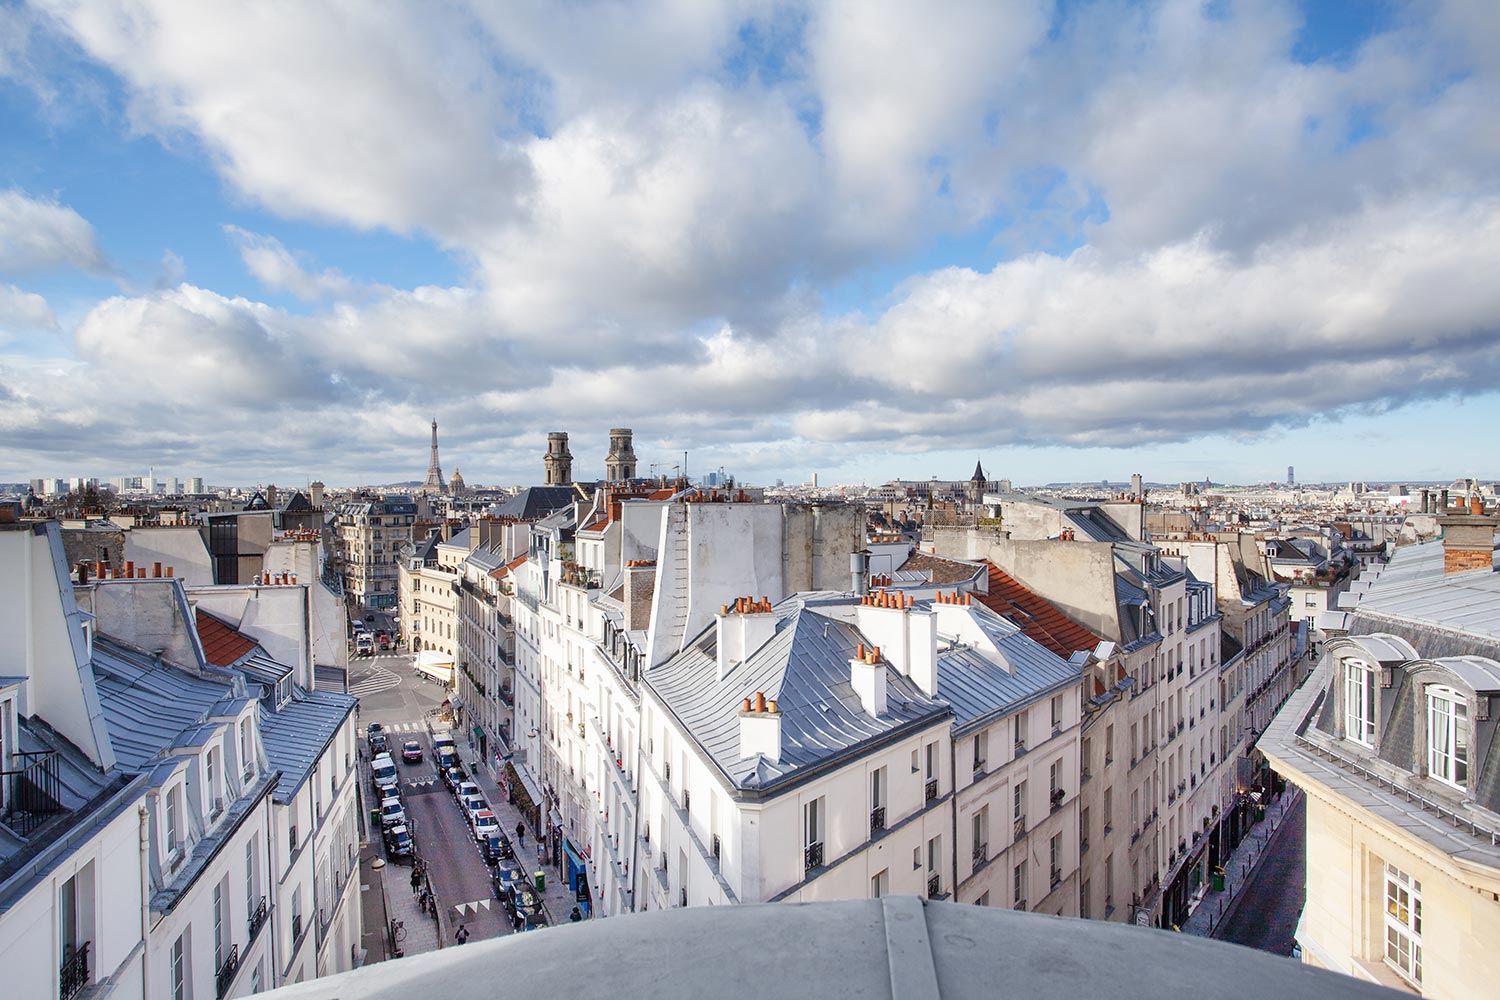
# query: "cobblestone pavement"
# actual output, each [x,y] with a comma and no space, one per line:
[1282,856]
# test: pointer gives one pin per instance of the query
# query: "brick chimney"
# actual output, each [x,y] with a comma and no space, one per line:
[1468,541]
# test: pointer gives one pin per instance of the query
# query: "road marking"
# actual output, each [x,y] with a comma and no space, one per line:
[471,909]
[420,782]
[380,679]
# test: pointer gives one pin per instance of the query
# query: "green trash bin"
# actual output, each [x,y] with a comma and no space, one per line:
[1218,881]
[374,819]
[540,880]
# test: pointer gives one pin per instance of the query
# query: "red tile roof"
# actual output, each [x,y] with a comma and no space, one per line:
[1035,615]
[222,645]
[503,570]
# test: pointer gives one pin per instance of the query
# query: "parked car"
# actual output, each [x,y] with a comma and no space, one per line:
[383,640]
[379,745]
[411,752]
[446,757]
[454,776]
[390,793]
[363,645]
[466,789]
[485,825]
[442,738]
[369,618]
[391,814]
[383,770]
[398,841]
[473,805]
[373,729]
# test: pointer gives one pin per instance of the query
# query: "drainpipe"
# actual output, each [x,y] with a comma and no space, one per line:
[145,904]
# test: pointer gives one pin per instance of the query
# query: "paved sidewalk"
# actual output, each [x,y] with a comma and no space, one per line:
[421,928]
[1239,869]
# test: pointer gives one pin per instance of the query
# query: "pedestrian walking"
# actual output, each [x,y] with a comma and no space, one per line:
[416,879]
[576,915]
[521,833]
[462,935]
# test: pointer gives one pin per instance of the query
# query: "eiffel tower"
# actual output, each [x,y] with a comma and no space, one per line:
[434,483]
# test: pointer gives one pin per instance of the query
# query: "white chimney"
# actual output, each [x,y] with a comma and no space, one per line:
[760,728]
[907,636]
[743,627]
[867,676]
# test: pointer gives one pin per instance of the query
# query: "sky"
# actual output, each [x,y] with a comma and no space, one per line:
[1074,240]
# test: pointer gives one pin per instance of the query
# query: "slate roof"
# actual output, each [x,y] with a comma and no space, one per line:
[535,501]
[980,689]
[936,570]
[222,645]
[296,735]
[805,668]
[148,704]
[1036,617]
[1441,614]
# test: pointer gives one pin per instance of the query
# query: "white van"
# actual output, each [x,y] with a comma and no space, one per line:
[383,770]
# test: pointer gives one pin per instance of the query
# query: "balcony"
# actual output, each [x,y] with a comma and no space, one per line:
[257,918]
[877,819]
[934,885]
[31,791]
[812,856]
[225,976]
[1020,828]
[932,789]
[1056,877]
[74,974]
[981,854]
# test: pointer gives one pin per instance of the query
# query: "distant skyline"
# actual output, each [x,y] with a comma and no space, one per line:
[1076,240]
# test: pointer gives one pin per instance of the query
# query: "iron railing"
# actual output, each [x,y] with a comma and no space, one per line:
[877,819]
[932,789]
[812,857]
[934,885]
[258,918]
[230,966]
[32,792]
[74,974]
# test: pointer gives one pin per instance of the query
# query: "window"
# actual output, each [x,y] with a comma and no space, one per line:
[1054,855]
[880,885]
[1018,885]
[1109,809]
[981,836]
[173,837]
[1359,702]
[877,799]
[1020,732]
[1403,923]
[1109,745]
[812,833]
[251,896]
[179,968]
[1020,801]
[221,906]
[981,750]
[211,763]
[931,772]
[1057,713]
[1447,736]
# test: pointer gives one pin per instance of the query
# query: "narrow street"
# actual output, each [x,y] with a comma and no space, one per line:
[1271,902]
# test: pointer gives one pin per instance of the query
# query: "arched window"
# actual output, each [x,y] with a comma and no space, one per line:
[1447,736]
[1359,702]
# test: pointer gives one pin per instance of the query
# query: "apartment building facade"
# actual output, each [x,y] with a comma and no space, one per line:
[368,539]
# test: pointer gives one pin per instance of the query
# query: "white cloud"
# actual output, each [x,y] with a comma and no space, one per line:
[1195,232]
[24,312]
[36,233]
[279,269]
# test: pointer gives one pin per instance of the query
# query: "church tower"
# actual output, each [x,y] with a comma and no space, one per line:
[620,464]
[558,460]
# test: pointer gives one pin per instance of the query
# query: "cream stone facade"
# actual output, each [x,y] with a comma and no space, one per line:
[1393,741]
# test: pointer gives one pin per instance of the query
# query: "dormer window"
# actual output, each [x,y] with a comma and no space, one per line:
[1447,736]
[1359,702]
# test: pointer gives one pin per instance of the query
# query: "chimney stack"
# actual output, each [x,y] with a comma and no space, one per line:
[867,677]
[760,729]
[743,627]
[859,572]
[1468,541]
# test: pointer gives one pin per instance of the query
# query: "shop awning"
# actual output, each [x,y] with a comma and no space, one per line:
[527,790]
